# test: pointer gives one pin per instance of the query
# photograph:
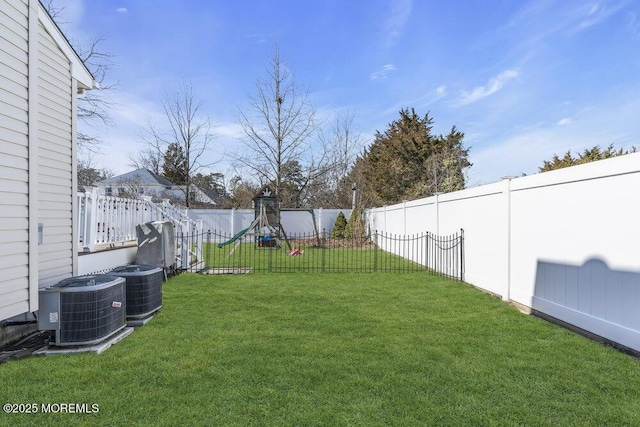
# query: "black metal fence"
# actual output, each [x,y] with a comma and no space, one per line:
[221,253]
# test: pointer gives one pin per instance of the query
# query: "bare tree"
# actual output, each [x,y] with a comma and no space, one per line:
[88,173]
[94,106]
[278,123]
[149,158]
[54,10]
[346,143]
[340,143]
[187,127]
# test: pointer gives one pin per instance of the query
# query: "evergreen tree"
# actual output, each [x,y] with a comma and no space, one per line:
[338,231]
[408,162]
[174,167]
[355,227]
[588,155]
[242,193]
[292,185]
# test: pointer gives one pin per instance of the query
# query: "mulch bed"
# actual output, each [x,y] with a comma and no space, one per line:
[333,243]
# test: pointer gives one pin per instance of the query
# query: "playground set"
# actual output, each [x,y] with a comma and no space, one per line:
[266,227]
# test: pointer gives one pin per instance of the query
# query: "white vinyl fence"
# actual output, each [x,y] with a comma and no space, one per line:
[564,243]
[294,222]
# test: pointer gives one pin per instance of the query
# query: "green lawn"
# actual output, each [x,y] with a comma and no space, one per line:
[334,349]
[367,258]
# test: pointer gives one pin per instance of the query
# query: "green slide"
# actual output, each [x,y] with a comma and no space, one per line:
[236,236]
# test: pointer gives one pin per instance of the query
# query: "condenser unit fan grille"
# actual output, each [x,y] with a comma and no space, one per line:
[144,289]
[88,316]
[144,294]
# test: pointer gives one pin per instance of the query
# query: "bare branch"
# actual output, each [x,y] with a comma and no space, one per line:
[277,125]
[94,107]
[187,128]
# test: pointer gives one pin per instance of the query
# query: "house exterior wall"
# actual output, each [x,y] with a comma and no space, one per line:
[14,159]
[55,169]
[40,76]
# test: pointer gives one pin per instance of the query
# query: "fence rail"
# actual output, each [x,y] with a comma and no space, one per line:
[378,252]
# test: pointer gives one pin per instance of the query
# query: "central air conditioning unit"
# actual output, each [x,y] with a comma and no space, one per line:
[144,289]
[83,310]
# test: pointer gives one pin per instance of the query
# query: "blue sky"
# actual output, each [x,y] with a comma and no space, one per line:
[522,79]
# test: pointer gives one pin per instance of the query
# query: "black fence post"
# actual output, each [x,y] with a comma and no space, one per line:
[423,250]
[207,257]
[375,252]
[427,263]
[323,254]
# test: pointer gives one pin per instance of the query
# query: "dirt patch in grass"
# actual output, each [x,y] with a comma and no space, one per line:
[25,347]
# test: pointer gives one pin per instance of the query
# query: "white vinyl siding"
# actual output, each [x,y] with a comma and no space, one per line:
[14,163]
[54,161]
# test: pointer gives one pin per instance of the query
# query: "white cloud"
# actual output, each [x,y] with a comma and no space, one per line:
[418,103]
[383,73]
[229,130]
[493,85]
[542,19]
[394,25]
[136,111]
[633,23]
[524,151]
[590,15]
[564,122]
[260,38]
[122,10]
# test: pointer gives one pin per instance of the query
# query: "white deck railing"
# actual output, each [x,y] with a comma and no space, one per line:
[104,220]
[110,221]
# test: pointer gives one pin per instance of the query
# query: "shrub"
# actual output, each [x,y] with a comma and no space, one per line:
[355,226]
[338,231]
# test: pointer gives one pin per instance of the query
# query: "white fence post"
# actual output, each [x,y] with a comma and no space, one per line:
[91,220]
[385,218]
[404,217]
[81,220]
[437,194]
[233,221]
[507,192]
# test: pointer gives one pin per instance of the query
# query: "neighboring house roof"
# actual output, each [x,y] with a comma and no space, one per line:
[139,177]
[147,179]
